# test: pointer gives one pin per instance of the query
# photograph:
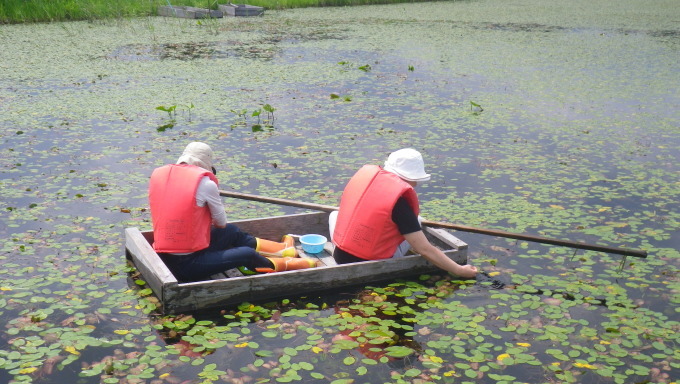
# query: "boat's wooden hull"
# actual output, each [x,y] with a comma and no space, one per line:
[179,297]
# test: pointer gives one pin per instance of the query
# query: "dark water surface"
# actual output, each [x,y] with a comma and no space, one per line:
[549,118]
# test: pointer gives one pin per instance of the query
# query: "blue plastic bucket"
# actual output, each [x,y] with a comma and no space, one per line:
[313,243]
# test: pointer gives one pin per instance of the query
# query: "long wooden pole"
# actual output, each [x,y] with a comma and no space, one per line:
[273,200]
[458,227]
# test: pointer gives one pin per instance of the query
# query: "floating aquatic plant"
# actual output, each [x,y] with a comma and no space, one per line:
[170,110]
[476,108]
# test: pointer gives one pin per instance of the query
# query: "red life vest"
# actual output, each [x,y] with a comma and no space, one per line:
[179,225]
[364,227]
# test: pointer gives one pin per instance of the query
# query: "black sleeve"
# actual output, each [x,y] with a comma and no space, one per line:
[404,217]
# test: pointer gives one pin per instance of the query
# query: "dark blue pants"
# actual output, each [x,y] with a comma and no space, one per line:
[229,248]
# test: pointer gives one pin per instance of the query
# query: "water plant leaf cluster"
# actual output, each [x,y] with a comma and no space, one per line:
[578,139]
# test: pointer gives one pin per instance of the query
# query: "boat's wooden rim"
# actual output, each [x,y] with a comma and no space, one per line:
[178,296]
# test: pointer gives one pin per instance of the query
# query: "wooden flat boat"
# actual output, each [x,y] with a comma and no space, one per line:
[177,297]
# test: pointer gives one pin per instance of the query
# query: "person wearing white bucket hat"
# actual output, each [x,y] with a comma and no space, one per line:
[378,215]
[191,233]
[408,164]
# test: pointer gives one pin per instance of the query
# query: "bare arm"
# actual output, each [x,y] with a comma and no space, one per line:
[434,255]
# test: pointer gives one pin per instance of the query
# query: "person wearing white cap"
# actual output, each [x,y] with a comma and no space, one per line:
[191,233]
[378,215]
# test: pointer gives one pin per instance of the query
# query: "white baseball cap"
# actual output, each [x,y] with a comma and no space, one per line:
[408,164]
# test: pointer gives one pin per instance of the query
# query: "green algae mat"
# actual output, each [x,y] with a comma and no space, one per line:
[557,119]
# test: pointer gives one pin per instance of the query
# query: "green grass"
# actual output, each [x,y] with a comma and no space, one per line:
[29,11]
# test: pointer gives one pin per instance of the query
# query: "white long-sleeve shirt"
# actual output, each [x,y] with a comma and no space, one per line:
[208,193]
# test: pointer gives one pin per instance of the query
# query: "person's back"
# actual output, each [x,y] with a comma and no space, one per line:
[378,215]
[180,224]
[191,232]
[364,226]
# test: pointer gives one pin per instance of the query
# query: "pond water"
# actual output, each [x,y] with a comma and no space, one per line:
[557,119]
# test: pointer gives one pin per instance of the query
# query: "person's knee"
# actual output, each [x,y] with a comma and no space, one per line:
[402,249]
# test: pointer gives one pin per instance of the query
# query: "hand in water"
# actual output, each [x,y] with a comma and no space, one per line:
[467,271]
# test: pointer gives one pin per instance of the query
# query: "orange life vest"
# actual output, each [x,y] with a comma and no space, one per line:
[364,227]
[179,225]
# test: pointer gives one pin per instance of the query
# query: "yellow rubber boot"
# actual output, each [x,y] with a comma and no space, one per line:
[268,248]
[288,241]
[288,264]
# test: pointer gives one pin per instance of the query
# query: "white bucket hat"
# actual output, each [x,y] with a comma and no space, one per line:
[198,154]
[408,164]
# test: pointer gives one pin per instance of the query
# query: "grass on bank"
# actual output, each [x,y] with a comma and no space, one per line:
[28,11]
